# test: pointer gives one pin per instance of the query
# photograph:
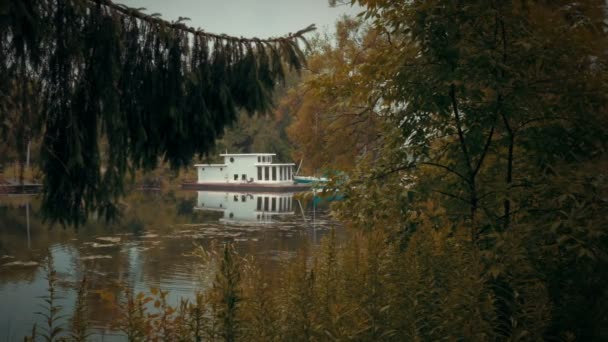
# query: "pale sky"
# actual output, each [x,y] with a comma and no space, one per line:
[248,18]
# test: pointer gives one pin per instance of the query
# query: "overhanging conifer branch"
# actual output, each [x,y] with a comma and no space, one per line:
[141,89]
[133,12]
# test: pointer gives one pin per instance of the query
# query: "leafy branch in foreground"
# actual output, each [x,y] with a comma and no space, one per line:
[495,112]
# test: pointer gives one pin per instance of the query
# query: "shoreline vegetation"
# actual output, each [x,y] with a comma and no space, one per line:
[358,290]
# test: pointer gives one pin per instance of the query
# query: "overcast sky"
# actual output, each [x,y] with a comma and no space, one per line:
[248,18]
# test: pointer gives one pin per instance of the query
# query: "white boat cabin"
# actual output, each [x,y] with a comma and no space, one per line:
[246,168]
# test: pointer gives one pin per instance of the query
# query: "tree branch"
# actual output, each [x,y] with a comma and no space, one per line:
[452,195]
[132,12]
[447,168]
[463,145]
[484,152]
[511,133]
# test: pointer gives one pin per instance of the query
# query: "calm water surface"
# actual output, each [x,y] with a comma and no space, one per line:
[151,246]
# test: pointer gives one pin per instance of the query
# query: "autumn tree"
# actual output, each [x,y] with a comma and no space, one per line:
[335,119]
[495,112]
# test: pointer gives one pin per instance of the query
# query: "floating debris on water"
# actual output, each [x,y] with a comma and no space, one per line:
[149,236]
[7,257]
[94,257]
[102,245]
[109,239]
[21,263]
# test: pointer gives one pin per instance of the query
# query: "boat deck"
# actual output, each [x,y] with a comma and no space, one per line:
[12,188]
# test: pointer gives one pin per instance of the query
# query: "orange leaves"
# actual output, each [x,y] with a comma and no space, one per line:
[106,295]
[335,120]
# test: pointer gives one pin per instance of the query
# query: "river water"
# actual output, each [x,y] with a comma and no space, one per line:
[151,246]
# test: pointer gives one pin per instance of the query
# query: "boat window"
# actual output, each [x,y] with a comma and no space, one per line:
[265,203]
[203,169]
[221,168]
[266,173]
[243,198]
[231,160]
[236,177]
[259,159]
[236,198]
[244,177]
[274,173]
[259,204]
[274,204]
[259,173]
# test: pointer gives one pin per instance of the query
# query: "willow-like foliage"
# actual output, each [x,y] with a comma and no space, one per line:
[148,88]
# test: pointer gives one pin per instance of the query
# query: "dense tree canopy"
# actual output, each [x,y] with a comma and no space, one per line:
[335,109]
[148,88]
[493,152]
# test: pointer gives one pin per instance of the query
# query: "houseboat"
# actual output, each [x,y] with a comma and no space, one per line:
[246,171]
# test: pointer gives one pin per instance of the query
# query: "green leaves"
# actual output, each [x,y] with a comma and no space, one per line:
[494,112]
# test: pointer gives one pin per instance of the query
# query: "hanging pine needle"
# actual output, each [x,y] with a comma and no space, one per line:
[151,89]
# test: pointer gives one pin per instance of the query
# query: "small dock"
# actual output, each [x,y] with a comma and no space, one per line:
[246,187]
[15,188]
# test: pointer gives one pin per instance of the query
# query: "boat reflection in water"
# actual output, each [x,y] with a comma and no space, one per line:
[246,208]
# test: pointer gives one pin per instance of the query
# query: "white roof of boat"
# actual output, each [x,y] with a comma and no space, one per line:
[246,154]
